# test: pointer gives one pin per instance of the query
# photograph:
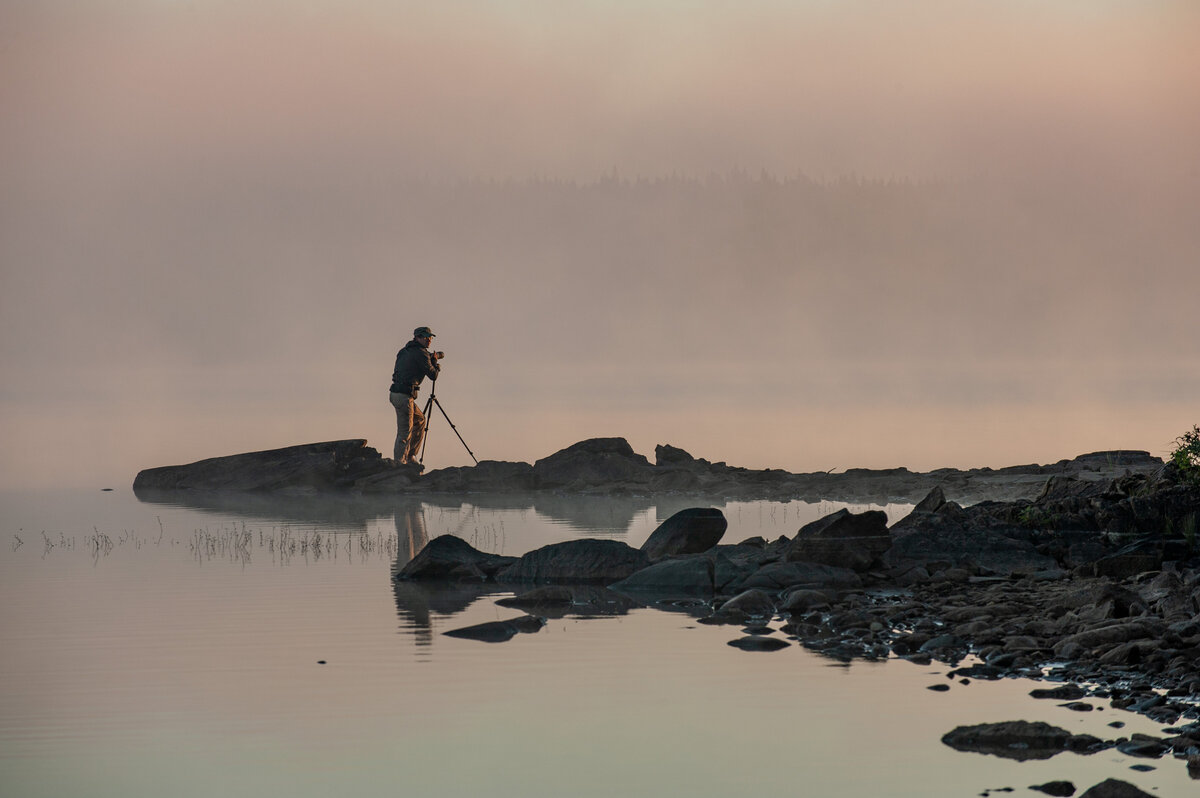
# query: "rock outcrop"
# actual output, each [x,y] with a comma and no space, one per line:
[609,466]
[309,468]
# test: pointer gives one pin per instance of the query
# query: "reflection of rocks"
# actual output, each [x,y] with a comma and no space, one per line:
[562,601]
[417,602]
[337,510]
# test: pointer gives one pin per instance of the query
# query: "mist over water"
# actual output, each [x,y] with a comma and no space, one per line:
[806,236]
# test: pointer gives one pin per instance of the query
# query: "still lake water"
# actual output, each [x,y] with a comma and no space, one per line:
[252,647]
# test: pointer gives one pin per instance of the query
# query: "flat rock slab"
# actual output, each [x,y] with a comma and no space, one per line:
[310,467]
[498,631]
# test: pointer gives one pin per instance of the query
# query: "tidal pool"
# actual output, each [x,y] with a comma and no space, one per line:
[243,647]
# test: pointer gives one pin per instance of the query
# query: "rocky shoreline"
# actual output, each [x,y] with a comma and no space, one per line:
[1084,573]
[610,467]
[1093,586]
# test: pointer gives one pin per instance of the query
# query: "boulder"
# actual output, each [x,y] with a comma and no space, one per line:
[686,575]
[583,560]
[307,468]
[759,643]
[596,461]
[777,576]
[843,539]
[1059,789]
[1017,739]
[689,531]
[1114,788]
[748,604]
[452,558]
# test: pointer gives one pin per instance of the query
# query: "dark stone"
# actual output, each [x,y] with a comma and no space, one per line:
[687,575]
[1019,739]
[842,539]
[549,596]
[452,558]
[932,502]
[748,604]
[1112,788]
[939,688]
[759,643]
[1066,692]
[781,575]
[488,475]
[498,631]
[689,531]
[585,560]
[975,539]
[1143,747]
[666,455]
[591,462]
[802,600]
[307,468]
[1060,789]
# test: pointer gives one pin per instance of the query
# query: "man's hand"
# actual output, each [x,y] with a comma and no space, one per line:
[438,355]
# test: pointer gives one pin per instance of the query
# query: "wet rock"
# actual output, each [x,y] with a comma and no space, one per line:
[498,631]
[748,604]
[585,560]
[686,575]
[549,596]
[696,529]
[759,643]
[1107,634]
[780,575]
[843,539]
[938,688]
[802,600]
[1060,789]
[1113,788]
[1143,746]
[452,558]
[1066,692]
[1018,739]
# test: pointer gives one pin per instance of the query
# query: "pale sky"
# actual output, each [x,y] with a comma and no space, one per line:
[805,235]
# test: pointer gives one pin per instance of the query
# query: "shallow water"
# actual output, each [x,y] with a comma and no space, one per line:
[254,647]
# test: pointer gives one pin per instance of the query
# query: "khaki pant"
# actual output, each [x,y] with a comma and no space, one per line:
[410,428]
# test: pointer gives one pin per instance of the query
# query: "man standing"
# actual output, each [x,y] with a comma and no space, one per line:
[413,364]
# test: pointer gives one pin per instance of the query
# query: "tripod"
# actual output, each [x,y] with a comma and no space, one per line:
[429,403]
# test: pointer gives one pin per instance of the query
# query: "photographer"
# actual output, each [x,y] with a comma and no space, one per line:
[414,363]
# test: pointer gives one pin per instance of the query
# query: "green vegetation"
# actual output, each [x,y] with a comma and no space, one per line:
[1186,455]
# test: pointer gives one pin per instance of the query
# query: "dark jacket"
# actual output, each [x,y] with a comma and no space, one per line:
[413,364]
